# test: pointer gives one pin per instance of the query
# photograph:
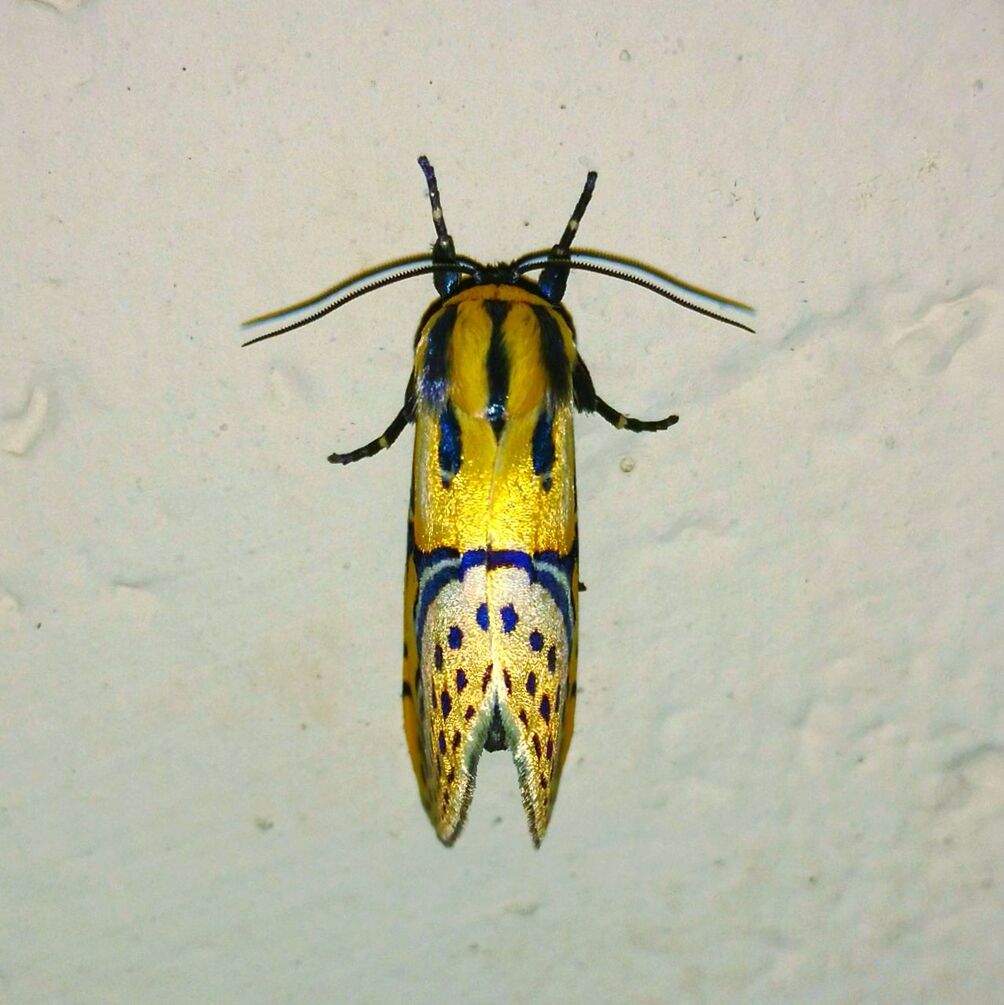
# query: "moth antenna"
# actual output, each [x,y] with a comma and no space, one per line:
[443,251]
[561,248]
[443,238]
[354,287]
[676,299]
[555,275]
[630,270]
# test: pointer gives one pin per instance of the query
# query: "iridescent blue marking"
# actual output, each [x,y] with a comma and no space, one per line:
[447,567]
[449,444]
[543,447]
[432,380]
[545,708]
[471,559]
[482,617]
[442,566]
[509,618]
[454,637]
[536,641]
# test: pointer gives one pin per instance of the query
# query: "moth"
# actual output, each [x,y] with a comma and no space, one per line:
[492,578]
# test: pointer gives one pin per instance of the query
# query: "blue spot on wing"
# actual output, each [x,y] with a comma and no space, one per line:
[545,708]
[548,568]
[509,618]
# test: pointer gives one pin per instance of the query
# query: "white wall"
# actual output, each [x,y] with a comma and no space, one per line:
[787,781]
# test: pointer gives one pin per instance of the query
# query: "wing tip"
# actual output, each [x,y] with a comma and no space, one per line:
[536,804]
[450,821]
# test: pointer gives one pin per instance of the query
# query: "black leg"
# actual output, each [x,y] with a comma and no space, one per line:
[622,421]
[382,442]
[389,435]
[587,400]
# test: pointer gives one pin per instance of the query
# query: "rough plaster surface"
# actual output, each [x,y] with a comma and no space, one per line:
[787,781]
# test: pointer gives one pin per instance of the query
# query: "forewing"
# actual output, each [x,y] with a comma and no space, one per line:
[448,684]
[533,598]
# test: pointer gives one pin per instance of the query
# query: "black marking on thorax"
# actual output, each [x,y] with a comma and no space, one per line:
[497,363]
[433,379]
[433,385]
[552,351]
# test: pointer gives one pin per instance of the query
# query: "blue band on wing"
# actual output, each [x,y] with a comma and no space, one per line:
[447,573]
[470,559]
[549,569]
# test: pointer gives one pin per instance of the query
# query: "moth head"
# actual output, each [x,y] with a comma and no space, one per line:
[554,271]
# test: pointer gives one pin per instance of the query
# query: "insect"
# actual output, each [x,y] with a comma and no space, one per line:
[492,579]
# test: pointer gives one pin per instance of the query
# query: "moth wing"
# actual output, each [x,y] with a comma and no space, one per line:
[448,690]
[533,599]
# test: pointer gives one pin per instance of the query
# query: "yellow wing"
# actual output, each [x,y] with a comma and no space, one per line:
[533,595]
[492,580]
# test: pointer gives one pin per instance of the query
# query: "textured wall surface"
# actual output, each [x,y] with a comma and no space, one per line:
[787,780]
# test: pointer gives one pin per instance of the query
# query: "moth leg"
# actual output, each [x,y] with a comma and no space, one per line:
[622,421]
[387,437]
[587,400]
